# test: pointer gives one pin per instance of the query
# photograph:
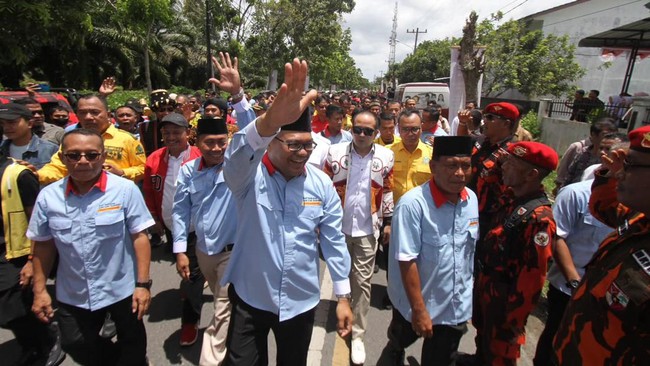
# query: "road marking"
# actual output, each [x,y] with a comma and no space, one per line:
[315,355]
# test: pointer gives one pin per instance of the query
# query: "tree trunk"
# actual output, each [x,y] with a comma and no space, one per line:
[147,67]
[470,58]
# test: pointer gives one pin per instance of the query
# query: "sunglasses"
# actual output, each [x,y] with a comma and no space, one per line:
[365,130]
[297,146]
[75,156]
[492,117]
[166,109]
[406,130]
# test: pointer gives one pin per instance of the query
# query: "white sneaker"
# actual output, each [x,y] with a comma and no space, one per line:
[358,351]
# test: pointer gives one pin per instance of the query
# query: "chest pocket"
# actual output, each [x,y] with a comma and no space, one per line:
[311,212]
[433,247]
[421,174]
[197,188]
[109,225]
[61,229]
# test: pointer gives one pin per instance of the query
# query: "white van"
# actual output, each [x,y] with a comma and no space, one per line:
[423,93]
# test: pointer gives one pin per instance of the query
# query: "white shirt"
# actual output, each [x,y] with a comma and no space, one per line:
[319,155]
[169,190]
[17,152]
[357,219]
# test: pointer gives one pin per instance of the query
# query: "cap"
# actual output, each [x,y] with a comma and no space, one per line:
[159,98]
[12,111]
[211,126]
[176,119]
[535,153]
[219,102]
[503,109]
[134,104]
[302,124]
[452,146]
[640,139]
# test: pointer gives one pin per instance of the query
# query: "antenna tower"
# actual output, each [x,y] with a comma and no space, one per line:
[393,39]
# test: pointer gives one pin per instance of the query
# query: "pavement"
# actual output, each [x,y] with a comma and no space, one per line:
[327,348]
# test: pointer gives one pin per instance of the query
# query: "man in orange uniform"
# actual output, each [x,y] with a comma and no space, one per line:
[501,121]
[607,321]
[512,265]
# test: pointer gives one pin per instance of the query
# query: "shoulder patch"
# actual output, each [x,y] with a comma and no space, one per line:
[542,239]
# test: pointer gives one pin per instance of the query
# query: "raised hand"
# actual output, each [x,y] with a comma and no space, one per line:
[229,80]
[290,102]
[108,86]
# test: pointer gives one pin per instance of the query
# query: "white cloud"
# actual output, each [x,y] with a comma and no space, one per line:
[371,23]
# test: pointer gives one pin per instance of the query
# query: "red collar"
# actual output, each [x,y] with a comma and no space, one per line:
[327,132]
[100,184]
[439,198]
[435,127]
[267,163]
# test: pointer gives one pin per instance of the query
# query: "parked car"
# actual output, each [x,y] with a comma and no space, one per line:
[425,92]
[64,97]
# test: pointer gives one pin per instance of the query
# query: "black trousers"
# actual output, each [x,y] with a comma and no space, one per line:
[248,332]
[192,290]
[557,303]
[440,349]
[80,338]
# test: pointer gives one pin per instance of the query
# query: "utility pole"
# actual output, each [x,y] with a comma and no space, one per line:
[207,40]
[417,31]
[392,42]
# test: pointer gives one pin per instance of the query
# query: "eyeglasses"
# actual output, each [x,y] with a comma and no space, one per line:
[406,130]
[166,109]
[365,130]
[75,156]
[627,165]
[492,117]
[297,146]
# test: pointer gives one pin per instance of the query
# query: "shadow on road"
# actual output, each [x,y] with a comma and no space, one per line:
[175,353]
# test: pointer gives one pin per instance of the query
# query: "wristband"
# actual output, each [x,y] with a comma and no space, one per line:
[238,96]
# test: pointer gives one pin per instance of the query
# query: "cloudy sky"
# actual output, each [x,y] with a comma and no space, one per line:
[372,20]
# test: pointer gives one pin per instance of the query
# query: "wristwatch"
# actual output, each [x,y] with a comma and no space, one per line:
[573,284]
[236,98]
[344,296]
[146,285]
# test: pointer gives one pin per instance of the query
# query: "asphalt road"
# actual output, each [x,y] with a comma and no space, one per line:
[163,326]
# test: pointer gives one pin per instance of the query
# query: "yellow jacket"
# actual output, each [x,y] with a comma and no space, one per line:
[410,169]
[123,150]
[14,217]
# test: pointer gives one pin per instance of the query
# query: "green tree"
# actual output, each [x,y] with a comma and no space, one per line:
[528,61]
[430,61]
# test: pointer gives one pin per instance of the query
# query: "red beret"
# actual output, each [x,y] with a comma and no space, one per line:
[535,153]
[640,139]
[503,109]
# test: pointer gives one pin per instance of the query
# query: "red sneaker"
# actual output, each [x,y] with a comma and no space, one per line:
[189,334]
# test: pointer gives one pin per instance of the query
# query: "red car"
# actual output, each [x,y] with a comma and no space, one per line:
[57,97]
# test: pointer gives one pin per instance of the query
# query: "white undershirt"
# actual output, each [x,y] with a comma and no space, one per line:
[17,152]
[169,190]
[357,219]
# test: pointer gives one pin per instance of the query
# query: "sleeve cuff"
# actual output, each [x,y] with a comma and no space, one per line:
[30,235]
[147,224]
[254,139]
[561,233]
[180,246]
[402,257]
[242,106]
[342,287]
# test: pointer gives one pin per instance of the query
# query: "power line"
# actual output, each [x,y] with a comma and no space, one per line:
[520,4]
[416,31]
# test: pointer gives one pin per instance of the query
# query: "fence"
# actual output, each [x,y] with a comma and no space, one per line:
[564,109]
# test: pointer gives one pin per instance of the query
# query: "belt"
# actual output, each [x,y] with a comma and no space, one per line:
[227,248]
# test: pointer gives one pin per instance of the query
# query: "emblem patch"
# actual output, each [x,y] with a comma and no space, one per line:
[521,211]
[520,151]
[542,239]
[646,140]
[616,298]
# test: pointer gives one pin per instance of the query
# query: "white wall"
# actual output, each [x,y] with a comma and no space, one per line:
[595,16]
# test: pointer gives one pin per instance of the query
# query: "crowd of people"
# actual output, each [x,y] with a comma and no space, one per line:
[250,193]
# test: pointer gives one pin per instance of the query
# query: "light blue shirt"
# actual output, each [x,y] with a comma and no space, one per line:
[441,239]
[204,202]
[92,234]
[244,112]
[582,232]
[275,263]
[39,151]
[424,137]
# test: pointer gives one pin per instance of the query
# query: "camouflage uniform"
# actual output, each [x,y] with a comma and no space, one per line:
[486,180]
[607,321]
[512,270]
